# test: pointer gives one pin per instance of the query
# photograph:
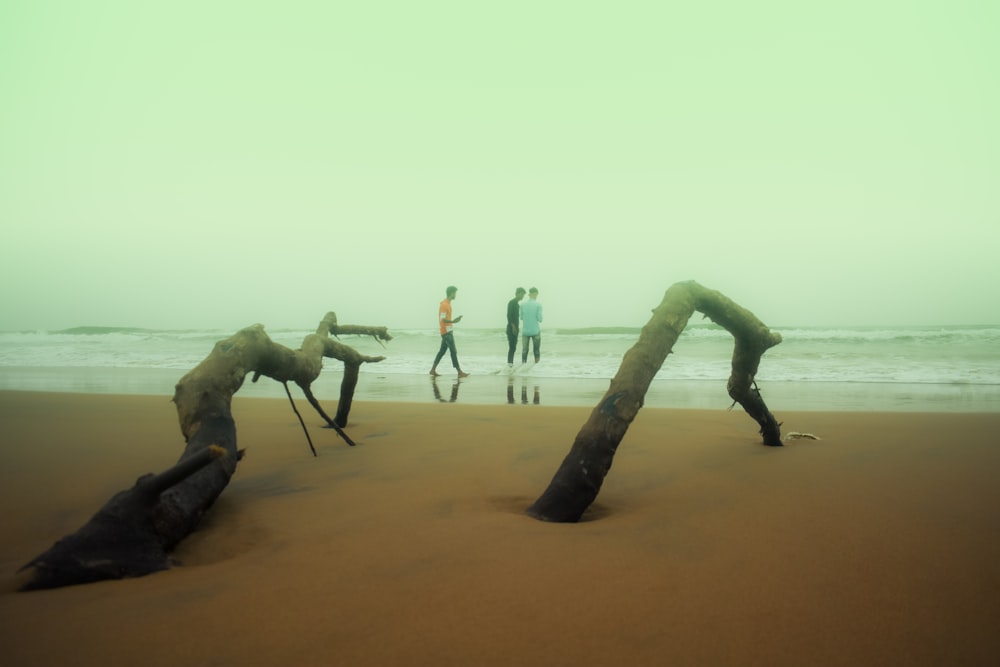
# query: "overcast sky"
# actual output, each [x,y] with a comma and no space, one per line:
[216,164]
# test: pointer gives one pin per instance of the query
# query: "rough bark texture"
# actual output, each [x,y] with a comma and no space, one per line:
[578,480]
[133,533]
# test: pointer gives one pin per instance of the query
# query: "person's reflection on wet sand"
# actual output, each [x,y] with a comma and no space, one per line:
[437,390]
[536,398]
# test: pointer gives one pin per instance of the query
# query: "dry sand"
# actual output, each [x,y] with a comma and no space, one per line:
[877,545]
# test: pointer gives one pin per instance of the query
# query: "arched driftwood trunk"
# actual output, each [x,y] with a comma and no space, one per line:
[133,533]
[578,480]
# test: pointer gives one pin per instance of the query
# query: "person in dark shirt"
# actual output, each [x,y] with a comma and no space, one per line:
[513,329]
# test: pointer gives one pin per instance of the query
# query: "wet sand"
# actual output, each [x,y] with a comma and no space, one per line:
[877,544]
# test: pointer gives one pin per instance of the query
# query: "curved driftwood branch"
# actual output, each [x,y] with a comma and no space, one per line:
[135,530]
[578,480]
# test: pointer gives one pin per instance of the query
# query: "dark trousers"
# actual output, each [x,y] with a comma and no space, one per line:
[447,344]
[537,340]
[511,344]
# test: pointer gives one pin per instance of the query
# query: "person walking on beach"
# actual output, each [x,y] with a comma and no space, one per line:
[513,330]
[447,336]
[531,316]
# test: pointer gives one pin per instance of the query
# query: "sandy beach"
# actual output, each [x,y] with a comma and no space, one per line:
[877,544]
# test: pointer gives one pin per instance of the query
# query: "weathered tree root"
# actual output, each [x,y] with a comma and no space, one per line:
[132,534]
[121,540]
[578,480]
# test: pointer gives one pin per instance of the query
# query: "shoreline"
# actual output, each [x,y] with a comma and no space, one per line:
[873,545]
[495,389]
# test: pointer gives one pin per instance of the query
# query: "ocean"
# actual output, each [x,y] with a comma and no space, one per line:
[948,368]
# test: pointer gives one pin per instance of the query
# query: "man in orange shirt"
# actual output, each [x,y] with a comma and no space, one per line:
[447,336]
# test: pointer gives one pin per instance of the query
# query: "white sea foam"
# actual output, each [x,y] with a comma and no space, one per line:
[907,355]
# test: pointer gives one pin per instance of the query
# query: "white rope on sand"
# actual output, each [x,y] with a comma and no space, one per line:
[795,435]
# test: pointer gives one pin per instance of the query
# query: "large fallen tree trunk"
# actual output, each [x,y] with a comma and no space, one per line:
[578,480]
[133,533]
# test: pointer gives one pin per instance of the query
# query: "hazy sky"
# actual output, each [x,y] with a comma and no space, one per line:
[215,164]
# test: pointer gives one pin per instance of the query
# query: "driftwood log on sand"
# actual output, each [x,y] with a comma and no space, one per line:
[134,532]
[578,480]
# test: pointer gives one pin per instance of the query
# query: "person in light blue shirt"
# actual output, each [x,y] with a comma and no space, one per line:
[531,325]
